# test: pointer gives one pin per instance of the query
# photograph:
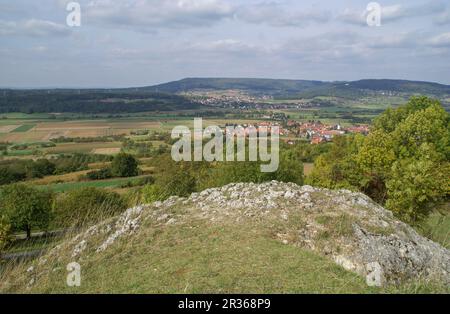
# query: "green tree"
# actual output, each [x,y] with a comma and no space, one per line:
[290,168]
[5,233]
[403,163]
[429,125]
[26,207]
[415,187]
[338,167]
[178,181]
[124,165]
[41,168]
[375,159]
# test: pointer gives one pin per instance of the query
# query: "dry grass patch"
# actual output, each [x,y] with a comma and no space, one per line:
[106,151]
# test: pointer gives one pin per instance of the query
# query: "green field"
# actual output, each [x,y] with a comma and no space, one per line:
[24,128]
[69,186]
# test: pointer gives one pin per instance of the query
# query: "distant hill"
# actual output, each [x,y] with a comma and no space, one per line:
[268,86]
[166,97]
[304,88]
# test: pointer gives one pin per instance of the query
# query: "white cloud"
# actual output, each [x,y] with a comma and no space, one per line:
[40,49]
[33,28]
[393,13]
[158,13]
[279,15]
[443,18]
[226,46]
[442,40]
[397,41]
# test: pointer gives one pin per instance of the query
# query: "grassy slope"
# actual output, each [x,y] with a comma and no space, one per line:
[203,258]
[437,228]
[210,259]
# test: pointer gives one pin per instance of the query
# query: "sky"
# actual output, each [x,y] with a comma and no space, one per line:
[127,43]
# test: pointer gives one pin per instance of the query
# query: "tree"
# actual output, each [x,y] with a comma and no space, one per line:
[290,168]
[403,163]
[429,125]
[5,232]
[26,207]
[375,159]
[124,165]
[338,167]
[415,187]
[41,168]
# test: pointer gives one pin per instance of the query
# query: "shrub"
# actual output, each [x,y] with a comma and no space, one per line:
[153,193]
[124,165]
[101,174]
[87,205]
[41,168]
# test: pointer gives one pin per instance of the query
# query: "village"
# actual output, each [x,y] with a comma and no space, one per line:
[315,132]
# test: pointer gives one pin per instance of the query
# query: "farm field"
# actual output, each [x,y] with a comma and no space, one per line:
[24,131]
[67,177]
[106,184]
[8,128]
[23,128]
[95,148]
[16,132]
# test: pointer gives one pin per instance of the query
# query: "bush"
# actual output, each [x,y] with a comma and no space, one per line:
[124,165]
[41,168]
[290,168]
[153,193]
[178,181]
[101,174]
[88,205]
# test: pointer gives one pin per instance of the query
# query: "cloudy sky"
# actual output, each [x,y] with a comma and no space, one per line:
[145,42]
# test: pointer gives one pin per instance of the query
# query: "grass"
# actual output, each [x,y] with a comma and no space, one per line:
[81,147]
[437,228]
[23,128]
[199,258]
[339,226]
[202,258]
[26,152]
[29,245]
[67,177]
[69,186]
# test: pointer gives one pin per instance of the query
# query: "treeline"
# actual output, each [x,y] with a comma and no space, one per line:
[17,170]
[89,101]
